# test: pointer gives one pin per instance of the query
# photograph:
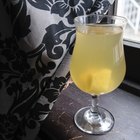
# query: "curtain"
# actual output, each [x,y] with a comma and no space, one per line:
[36,42]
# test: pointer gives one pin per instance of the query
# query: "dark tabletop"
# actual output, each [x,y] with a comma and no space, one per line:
[124,106]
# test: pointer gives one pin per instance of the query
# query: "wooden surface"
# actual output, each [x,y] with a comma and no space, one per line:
[124,106]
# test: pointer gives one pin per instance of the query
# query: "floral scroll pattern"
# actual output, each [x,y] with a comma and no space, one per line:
[31,57]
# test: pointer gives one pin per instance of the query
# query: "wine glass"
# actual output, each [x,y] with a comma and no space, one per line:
[97,66]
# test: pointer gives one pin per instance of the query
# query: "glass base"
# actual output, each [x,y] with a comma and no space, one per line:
[93,122]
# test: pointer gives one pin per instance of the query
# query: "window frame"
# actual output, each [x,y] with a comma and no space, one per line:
[131,81]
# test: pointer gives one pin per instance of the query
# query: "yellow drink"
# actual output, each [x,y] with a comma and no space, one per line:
[98,63]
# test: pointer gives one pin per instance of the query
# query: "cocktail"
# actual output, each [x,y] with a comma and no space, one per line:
[97,66]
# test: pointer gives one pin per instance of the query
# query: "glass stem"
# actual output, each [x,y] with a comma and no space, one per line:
[94,105]
[93,115]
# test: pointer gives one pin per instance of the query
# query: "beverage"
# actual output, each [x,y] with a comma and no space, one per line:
[98,63]
[97,66]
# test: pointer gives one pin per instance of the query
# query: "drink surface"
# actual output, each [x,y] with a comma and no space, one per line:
[98,64]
